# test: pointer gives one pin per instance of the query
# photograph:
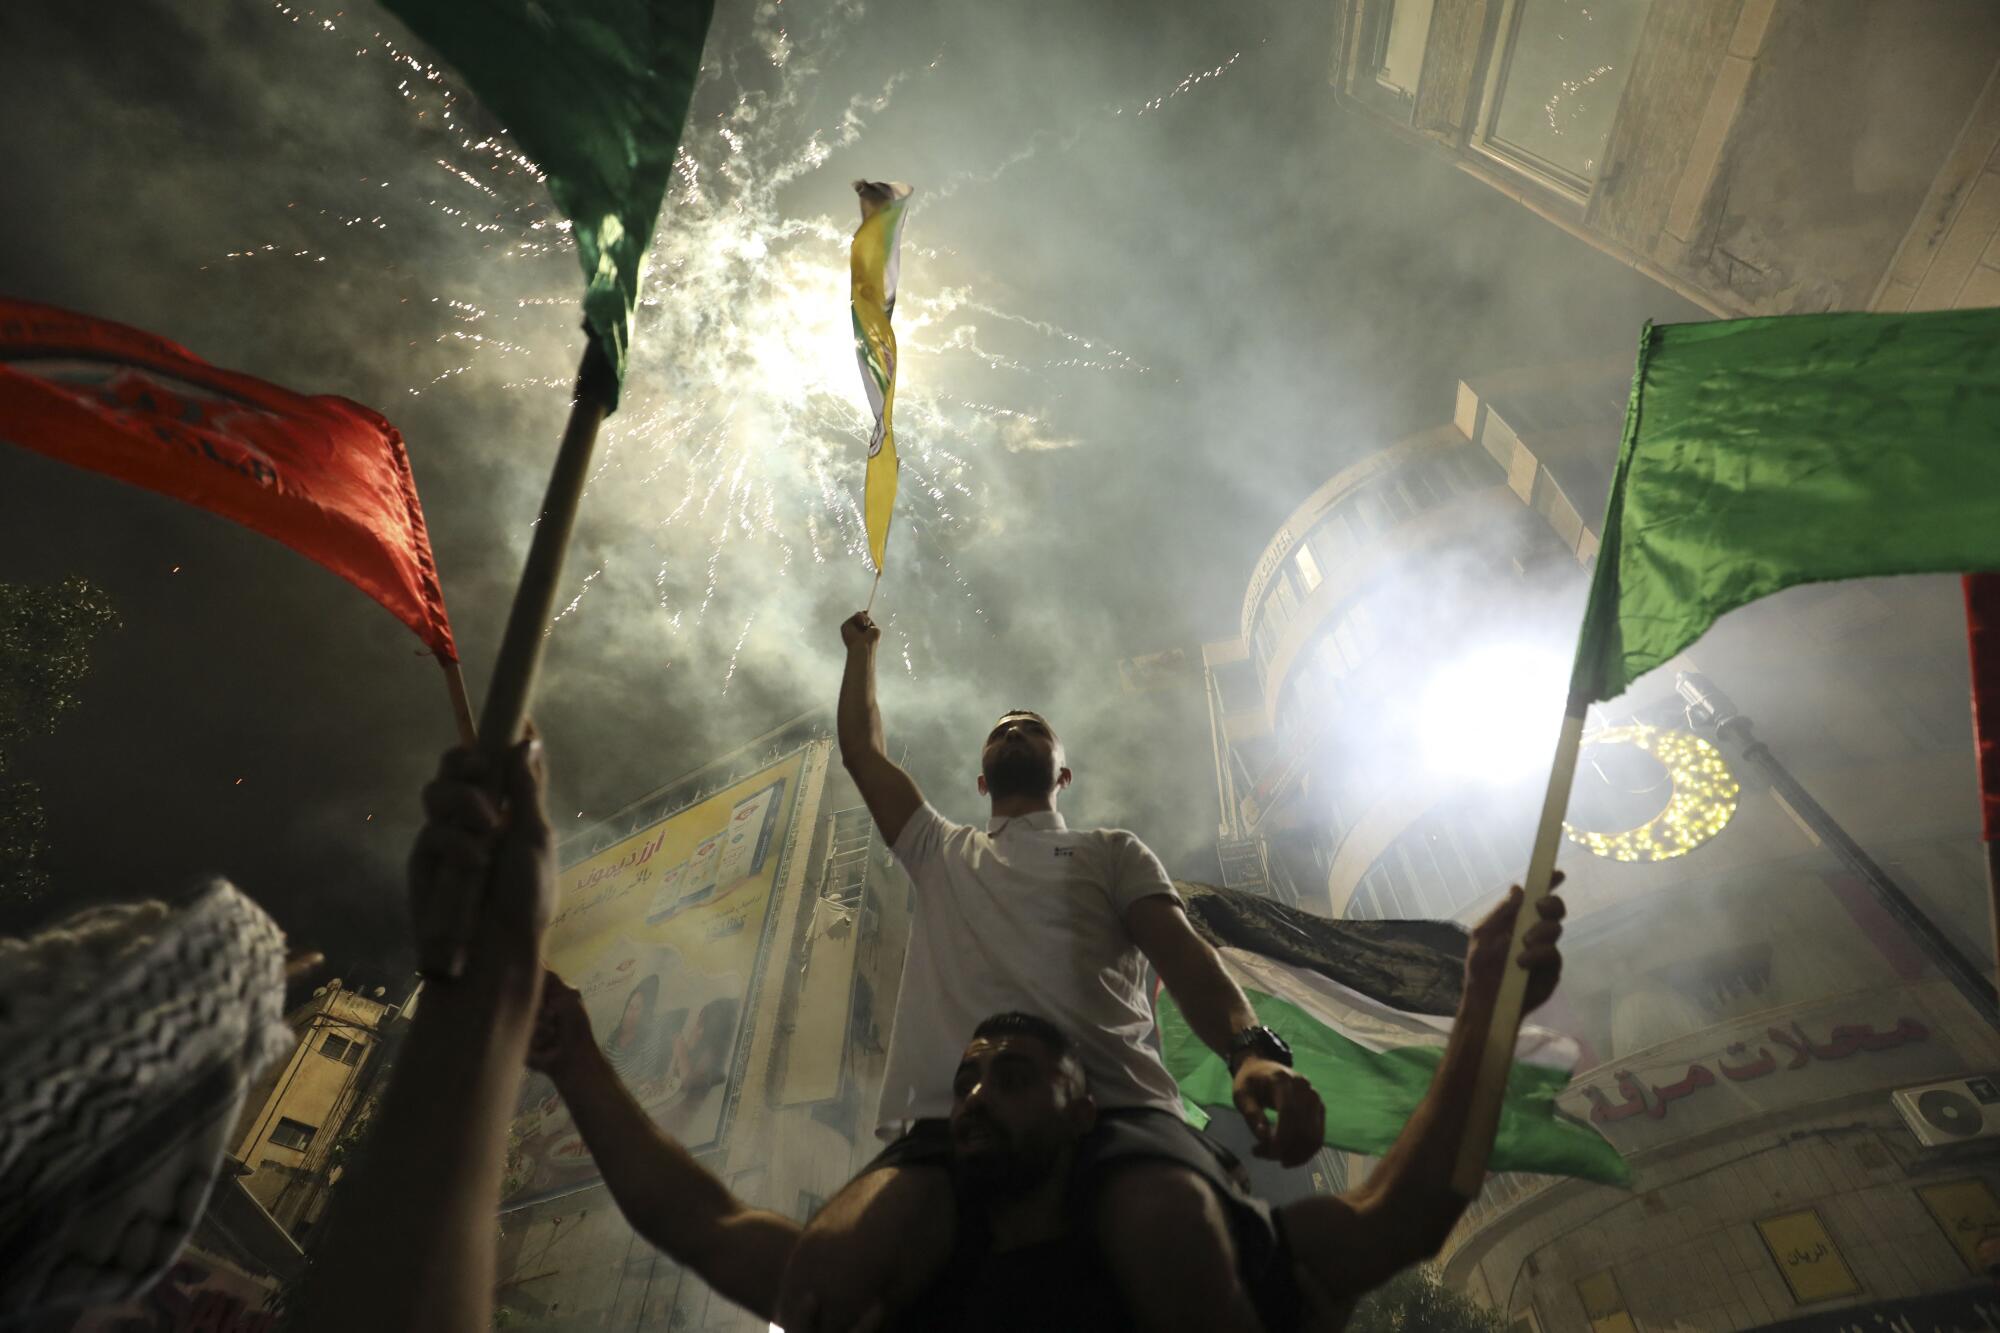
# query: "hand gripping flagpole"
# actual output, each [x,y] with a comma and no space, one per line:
[1496,1054]
[461,703]
[441,947]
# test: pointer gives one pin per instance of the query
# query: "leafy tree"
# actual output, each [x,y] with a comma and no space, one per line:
[1414,1301]
[46,634]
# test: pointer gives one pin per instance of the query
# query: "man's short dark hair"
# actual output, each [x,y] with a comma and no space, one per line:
[1016,1024]
[1028,712]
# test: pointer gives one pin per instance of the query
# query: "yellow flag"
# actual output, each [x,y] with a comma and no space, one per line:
[874,259]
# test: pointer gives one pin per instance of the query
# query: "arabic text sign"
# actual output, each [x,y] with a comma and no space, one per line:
[661,933]
[1813,1265]
[1708,1080]
[1967,1211]
[1847,1039]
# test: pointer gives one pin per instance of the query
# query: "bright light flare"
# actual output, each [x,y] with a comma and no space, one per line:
[1492,715]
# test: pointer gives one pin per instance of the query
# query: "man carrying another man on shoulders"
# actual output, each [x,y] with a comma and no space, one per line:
[1021,1111]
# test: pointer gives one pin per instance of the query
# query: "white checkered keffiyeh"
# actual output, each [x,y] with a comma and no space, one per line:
[128,1038]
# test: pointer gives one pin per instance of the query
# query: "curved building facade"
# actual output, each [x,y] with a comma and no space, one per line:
[1798,1080]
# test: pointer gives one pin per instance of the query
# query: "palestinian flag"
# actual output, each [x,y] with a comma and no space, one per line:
[1366,1007]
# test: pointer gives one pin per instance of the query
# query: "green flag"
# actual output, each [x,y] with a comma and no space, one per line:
[596,93]
[1762,453]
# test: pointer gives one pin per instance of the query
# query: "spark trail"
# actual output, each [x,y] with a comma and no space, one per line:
[737,456]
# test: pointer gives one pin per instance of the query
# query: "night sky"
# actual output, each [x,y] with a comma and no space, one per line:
[1143,313]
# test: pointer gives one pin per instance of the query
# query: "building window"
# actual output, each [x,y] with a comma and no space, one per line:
[1420,481]
[1553,90]
[1390,57]
[1369,514]
[1283,603]
[1308,567]
[1400,37]
[291,1134]
[337,1047]
[1604,1304]
[1812,1265]
[1236,682]
[1334,539]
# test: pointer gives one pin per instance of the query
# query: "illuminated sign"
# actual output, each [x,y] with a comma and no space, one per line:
[1701,803]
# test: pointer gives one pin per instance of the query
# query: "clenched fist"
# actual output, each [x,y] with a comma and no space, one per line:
[859,630]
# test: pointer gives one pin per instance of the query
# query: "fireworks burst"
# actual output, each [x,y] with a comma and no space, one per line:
[740,440]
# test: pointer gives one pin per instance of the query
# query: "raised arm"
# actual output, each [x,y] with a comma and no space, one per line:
[1215,1007]
[1403,1212]
[890,793]
[412,1246]
[667,1196]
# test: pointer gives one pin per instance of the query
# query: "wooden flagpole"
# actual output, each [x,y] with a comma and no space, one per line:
[461,703]
[441,952]
[1496,1054]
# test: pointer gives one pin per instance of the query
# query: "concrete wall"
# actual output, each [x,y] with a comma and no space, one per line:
[1949,257]
[312,1089]
[1684,1250]
[1846,116]
[1768,156]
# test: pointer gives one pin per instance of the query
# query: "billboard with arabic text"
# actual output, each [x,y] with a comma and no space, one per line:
[662,932]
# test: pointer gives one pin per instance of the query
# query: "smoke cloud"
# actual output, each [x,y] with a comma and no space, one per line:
[1156,288]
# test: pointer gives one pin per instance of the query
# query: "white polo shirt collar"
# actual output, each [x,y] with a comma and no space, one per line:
[1041,821]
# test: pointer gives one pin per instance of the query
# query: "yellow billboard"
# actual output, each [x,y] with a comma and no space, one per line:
[662,933]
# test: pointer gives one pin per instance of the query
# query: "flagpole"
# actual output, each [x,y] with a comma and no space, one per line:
[1496,1053]
[461,703]
[1982,622]
[872,590]
[514,670]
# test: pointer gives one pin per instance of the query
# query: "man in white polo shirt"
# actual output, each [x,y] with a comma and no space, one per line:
[1034,916]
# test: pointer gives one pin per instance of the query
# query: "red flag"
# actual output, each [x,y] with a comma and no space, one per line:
[327,477]
[1982,624]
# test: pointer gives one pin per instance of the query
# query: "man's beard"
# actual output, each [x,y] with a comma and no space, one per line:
[1004,1169]
[1019,771]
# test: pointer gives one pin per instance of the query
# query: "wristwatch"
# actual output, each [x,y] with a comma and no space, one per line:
[1258,1041]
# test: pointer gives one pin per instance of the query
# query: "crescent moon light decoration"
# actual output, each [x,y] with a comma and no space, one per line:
[1702,802]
